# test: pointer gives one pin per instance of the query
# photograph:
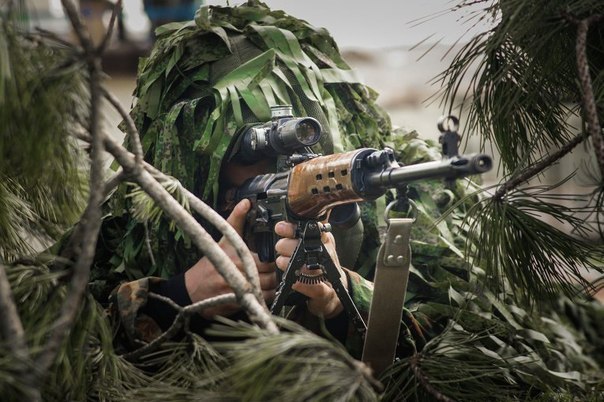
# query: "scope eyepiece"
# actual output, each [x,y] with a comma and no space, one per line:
[297,133]
[280,136]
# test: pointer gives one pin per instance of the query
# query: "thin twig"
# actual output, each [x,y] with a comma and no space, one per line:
[113,182]
[148,245]
[183,313]
[538,167]
[117,8]
[80,30]
[132,132]
[166,300]
[43,33]
[228,298]
[157,342]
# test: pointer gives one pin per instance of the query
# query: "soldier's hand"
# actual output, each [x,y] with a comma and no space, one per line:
[203,280]
[323,300]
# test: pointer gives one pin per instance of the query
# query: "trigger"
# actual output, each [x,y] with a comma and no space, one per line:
[262,215]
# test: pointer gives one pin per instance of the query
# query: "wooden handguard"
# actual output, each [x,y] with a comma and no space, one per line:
[321,184]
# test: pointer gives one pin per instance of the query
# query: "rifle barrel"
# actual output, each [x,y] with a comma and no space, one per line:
[449,169]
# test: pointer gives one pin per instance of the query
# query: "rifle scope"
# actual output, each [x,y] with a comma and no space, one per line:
[283,135]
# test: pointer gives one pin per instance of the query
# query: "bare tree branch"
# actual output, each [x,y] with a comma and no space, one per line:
[113,182]
[199,206]
[589,103]
[198,307]
[117,8]
[80,30]
[132,132]
[537,168]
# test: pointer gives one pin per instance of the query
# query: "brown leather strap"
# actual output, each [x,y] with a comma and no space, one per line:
[390,285]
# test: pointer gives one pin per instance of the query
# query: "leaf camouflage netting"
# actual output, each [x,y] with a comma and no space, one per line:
[471,337]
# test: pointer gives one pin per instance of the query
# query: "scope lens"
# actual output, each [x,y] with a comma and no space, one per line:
[308,131]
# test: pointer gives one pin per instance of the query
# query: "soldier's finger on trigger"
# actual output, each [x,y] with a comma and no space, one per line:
[266,267]
[263,266]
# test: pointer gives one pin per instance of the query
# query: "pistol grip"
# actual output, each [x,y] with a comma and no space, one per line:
[265,245]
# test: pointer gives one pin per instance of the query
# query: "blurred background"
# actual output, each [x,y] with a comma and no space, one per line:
[397,48]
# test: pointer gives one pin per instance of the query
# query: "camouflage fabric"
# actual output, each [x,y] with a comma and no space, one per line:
[128,299]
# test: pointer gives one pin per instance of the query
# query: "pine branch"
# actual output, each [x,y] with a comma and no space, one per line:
[92,215]
[246,296]
[12,328]
[423,380]
[12,331]
[537,168]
